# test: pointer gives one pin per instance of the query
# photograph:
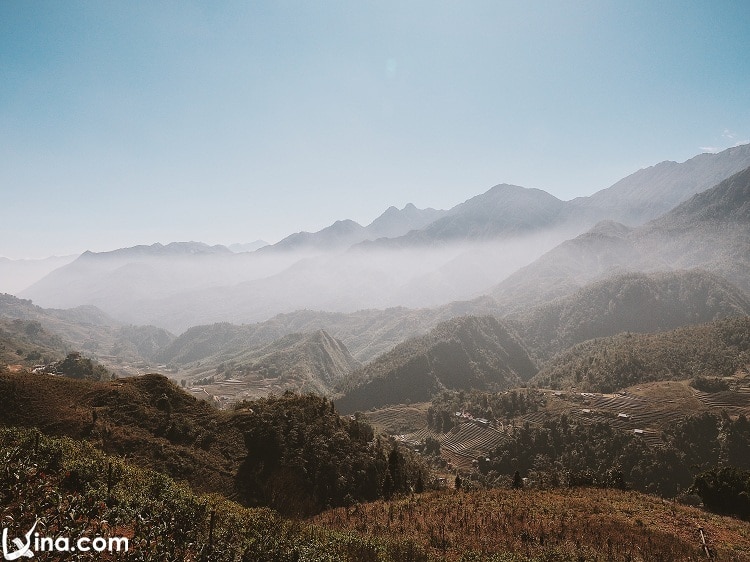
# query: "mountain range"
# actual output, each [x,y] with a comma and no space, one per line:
[345,233]
[321,304]
[624,317]
[630,302]
[409,257]
[711,230]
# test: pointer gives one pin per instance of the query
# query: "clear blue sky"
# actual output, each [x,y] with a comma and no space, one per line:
[127,123]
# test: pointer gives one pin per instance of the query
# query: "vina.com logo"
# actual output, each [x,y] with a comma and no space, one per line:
[34,544]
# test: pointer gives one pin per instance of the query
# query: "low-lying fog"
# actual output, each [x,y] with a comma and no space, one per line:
[179,292]
[17,275]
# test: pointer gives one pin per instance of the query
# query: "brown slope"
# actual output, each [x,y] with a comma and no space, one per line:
[290,452]
[581,524]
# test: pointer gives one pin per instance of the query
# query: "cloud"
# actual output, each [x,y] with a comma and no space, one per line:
[729,140]
[731,136]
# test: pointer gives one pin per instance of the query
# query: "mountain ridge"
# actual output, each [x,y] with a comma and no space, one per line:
[711,231]
[608,364]
[461,353]
[442,267]
[630,302]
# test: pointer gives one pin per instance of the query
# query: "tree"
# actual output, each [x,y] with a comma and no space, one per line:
[725,490]
[76,366]
[419,486]
[387,485]
[517,481]
[431,446]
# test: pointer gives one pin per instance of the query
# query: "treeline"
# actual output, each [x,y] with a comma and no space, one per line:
[302,457]
[441,414]
[607,364]
[562,453]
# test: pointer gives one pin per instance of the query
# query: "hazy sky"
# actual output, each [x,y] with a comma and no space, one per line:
[126,123]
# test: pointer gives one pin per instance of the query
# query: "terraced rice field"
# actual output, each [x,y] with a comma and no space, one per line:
[399,419]
[734,402]
[646,409]
[463,444]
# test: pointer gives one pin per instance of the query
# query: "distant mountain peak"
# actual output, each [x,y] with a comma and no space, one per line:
[158,249]
[509,188]
[610,228]
[729,200]
[396,222]
[345,225]
[247,247]
[650,192]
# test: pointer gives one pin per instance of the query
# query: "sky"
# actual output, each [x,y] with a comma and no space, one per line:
[125,123]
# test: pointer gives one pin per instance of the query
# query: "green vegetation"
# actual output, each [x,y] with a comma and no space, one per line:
[608,364]
[293,453]
[76,491]
[303,457]
[76,366]
[709,384]
[562,453]
[725,490]
[441,415]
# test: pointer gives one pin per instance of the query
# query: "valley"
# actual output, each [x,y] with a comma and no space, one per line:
[646,411]
[601,379]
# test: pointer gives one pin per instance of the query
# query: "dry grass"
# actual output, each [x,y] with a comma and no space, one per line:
[585,524]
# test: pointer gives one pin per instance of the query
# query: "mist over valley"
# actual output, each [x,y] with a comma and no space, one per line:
[480,348]
[375,282]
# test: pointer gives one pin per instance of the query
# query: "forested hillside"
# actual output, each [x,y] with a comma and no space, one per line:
[27,343]
[632,302]
[292,452]
[564,453]
[463,353]
[607,364]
